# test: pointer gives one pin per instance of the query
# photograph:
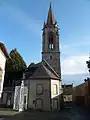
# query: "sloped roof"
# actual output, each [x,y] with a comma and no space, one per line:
[50,68]
[43,72]
[34,65]
[31,69]
[3,48]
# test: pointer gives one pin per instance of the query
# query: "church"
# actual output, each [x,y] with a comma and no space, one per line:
[42,81]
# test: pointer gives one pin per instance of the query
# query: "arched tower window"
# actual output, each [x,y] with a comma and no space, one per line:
[51,40]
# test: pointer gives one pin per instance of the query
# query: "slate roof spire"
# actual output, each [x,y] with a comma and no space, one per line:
[50,18]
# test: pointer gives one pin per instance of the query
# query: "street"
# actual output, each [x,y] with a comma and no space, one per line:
[69,113]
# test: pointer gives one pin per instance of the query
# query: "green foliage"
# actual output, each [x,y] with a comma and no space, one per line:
[15,66]
[15,63]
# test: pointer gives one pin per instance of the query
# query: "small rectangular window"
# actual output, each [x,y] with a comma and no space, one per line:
[1,74]
[55,89]
[39,89]
[50,57]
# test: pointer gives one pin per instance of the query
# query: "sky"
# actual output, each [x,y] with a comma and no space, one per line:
[21,23]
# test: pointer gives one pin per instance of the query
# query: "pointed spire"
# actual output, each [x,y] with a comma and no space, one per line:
[50,19]
[44,24]
[50,4]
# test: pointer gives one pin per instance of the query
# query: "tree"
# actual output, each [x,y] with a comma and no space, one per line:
[15,66]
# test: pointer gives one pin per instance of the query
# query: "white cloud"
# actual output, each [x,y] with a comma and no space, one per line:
[74,56]
[74,65]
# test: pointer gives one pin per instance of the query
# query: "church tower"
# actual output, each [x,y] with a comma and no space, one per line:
[50,42]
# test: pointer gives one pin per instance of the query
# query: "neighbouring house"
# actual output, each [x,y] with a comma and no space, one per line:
[44,88]
[81,93]
[67,92]
[3,57]
[78,94]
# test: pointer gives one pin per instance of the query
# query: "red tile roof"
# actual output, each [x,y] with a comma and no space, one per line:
[3,48]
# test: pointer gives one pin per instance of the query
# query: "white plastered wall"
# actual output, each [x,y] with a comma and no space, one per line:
[45,96]
[2,65]
[56,96]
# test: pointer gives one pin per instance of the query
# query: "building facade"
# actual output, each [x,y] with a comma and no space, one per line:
[44,89]
[3,57]
[81,93]
[67,92]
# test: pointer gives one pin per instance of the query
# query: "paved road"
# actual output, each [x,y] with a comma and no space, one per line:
[69,113]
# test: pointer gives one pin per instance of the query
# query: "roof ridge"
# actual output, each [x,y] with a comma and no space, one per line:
[51,68]
[45,68]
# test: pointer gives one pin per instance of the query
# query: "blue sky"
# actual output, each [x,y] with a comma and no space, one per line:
[21,23]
